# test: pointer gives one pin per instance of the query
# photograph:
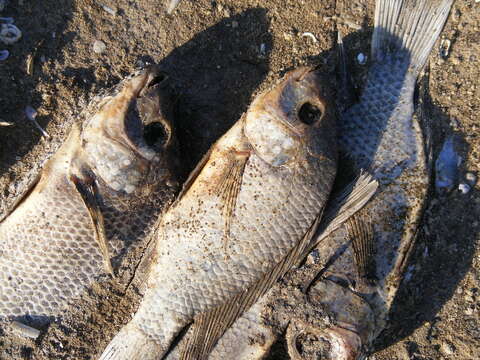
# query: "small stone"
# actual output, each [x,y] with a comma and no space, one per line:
[447,349]
[361,58]
[464,188]
[471,178]
[99,47]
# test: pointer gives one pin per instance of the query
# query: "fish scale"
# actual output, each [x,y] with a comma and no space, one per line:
[31,236]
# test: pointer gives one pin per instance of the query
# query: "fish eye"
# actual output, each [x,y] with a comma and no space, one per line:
[309,113]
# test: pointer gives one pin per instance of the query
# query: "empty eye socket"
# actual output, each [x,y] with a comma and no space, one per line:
[309,114]
[154,134]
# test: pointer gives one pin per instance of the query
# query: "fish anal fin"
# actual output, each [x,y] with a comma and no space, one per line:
[89,193]
[229,184]
[360,232]
[208,327]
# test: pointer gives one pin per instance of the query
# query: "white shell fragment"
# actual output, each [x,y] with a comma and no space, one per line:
[9,34]
[25,330]
[31,114]
[310,36]
[4,54]
[5,123]
[99,47]
[108,9]
[445,48]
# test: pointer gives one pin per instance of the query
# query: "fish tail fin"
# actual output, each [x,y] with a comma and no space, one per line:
[411,26]
[131,343]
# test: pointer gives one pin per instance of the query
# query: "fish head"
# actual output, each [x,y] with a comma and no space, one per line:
[343,328]
[127,136]
[294,119]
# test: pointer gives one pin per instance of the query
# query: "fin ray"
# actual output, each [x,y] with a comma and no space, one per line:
[89,194]
[360,232]
[401,25]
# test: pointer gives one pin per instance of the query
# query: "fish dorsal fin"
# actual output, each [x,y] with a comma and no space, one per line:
[89,193]
[360,232]
[208,327]
[351,199]
[25,194]
[229,184]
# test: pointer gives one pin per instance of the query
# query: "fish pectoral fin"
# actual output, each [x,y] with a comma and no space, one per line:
[229,184]
[210,326]
[345,204]
[24,195]
[360,232]
[89,193]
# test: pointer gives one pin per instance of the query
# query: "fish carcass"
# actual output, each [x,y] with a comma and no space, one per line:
[335,305]
[94,200]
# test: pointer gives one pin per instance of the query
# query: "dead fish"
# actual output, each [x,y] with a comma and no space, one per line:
[245,212]
[94,199]
[336,305]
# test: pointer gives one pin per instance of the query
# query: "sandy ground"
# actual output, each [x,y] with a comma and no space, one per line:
[220,54]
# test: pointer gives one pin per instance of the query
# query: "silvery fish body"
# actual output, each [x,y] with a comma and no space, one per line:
[95,199]
[255,197]
[335,305]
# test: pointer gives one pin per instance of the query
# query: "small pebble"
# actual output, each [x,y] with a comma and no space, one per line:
[361,58]
[447,349]
[99,47]
[471,178]
[464,188]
